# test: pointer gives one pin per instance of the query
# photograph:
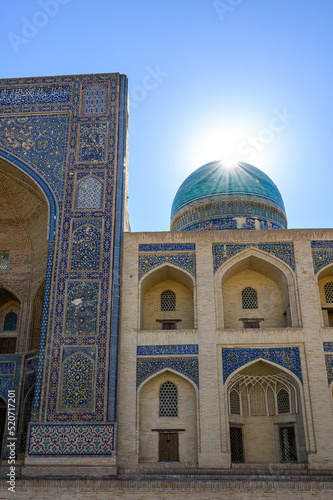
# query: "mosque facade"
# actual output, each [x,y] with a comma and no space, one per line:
[207,347]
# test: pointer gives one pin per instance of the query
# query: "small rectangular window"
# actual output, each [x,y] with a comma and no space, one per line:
[251,324]
[169,325]
[4,260]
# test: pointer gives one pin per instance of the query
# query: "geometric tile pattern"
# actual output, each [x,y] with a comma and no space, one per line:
[94,98]
[322,254]
[166,247]
[283,251]
[329,367]
[74,439]
[86,246]
[161,350]
[183,260]
[41,94]
[89,193]
[148,366]
[233,358]
[77,381]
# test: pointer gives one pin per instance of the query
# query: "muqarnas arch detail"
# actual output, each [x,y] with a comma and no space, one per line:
[224,251]
[288,357]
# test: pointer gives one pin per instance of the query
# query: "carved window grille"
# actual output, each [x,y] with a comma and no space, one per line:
[236,444]
[234,402]
[168,301]
[89,193]
[283,401]
[288,444]
[329,291]
[249,298]
[168,400]
[10,322]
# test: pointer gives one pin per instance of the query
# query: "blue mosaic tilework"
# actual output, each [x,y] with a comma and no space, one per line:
[183,260]
[39,94]
[283,251]
[94,98]
[288,357]
[161,350]
[31,364]
[329,367]
[74,439]
[43,331]
[82,302]
[116,267]
[7,368]
[322,244]
[328,346]
[92,142]
[11,374]
[166,247]
[41,142]
[322,254]
[77,381]
[148,366]
[29,381]
[86,245]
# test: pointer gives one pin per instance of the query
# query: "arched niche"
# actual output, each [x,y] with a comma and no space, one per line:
[325,289]
[274,283]
[265,414]
[37,317]
[26,204]
[161,279]
[154,429]
[10,309]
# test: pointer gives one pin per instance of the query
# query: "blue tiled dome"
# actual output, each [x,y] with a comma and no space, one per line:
[216,196]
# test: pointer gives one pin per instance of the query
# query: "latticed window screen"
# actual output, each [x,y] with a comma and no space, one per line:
[236,444]
[89,193]
[234,402]
[329,291]
[288,444]
[168,400]
[249,298]
[283,401]
[4,258]
[168,300]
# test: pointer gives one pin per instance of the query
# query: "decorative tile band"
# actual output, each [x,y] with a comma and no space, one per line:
[328,346]
[43,94]
[161,350]
[320,256]
[182,260]
[288,357]
[72,439]
[329,367]
[7,368]
[186,366]
[166,247]
[283,251]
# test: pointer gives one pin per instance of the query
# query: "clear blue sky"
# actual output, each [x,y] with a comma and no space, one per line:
[251,79]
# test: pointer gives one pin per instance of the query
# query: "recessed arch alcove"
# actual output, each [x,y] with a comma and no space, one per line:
[273,283]
[167,278]
[25,226]
[265,407]
[325,290]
